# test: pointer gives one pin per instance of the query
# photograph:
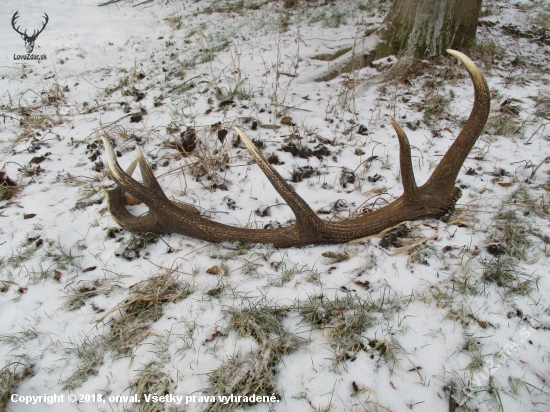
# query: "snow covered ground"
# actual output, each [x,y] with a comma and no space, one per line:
[440,316]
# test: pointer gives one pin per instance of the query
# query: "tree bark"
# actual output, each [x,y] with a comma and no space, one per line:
[412,29]
[426,28]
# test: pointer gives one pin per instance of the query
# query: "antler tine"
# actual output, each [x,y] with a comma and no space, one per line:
[445,174]
[407,174]
[131,169]
[149,179]
[115,202]
[304,214]
[164,215]
[138,190]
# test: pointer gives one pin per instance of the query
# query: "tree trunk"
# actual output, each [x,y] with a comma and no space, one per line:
[426,28]
[412,29]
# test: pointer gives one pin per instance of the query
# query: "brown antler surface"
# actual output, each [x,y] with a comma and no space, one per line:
[436,198]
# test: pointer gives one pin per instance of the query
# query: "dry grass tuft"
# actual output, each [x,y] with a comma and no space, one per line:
[254,373]
[259,321]
[347,319]
[86,290]
[152,379]
[514,243]
[488,53]
[7,187]
[503,124]
[11,376]
[141,309]
[90,355]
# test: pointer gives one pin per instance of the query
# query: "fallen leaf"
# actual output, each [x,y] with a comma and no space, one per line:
[270,126]
[29,215]
[112,231]
[221,135]
[37,159]
[417,368]
[214,292]
[131,201]
[90,269]
[216,334]
[214,270]
[287,121]
[365,284]
[339,257]
[505,184]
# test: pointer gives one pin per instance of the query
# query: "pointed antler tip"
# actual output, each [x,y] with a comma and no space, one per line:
[110,153]
[140,158]
[398,129]
[106,142]
[241,133]
[248,143]
[470,66]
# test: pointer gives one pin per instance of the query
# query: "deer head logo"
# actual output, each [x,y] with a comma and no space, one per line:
[29,40]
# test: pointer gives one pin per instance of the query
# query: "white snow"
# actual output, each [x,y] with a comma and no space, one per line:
[88,85]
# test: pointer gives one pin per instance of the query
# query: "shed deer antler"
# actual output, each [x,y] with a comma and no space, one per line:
[436,198]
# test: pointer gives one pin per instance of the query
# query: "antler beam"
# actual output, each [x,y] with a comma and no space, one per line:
[436,198]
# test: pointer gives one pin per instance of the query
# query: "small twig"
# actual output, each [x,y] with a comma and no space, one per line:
[109,2]
[543,126]
[168,269]
[365,202]
[116,121]
[143,2]
[544,238]
[247,263]
[183,84]
[291,107]
[537,168]
[412,246]
[169,247]
[381,234]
